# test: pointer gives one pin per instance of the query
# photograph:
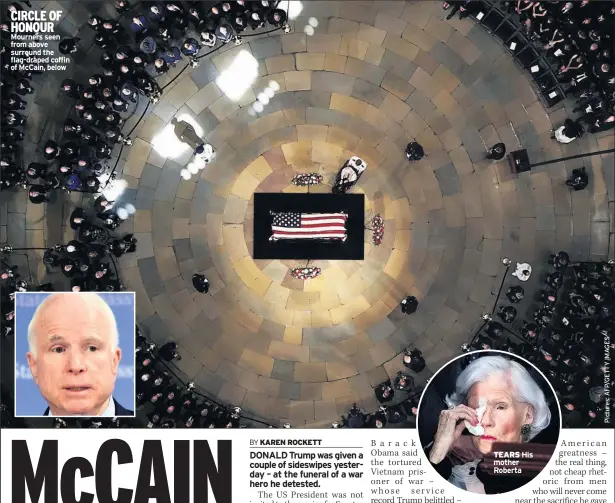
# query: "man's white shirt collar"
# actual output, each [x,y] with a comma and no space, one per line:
[109,411]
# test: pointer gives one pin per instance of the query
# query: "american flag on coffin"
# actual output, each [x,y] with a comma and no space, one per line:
[309,226]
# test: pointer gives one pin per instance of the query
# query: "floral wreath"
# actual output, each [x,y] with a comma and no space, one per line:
[306,179]
[305,272]
[377,229]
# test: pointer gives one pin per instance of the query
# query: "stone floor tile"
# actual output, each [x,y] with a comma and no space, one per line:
[353,47]
[310,372]
[423,82]
[309,132]
[365,15]
[324,43]
[231,393]
[182,91]
[389,23]
[283,370]
[293,43]
[421,39]
[539,118]
[150,128]
[223,107]
[333,63]
[394,108]
[516,112]
[280,64]
[289,352]
[333,82]
[290,390]
[397,86]
[391,7]
[445,79]
[204,97]
[255,362]
[266,47]
[448,180]
[165,110]
[397,65]
[167,185]
[150,176]
[496,114]
[414,124]
[310,391]
[438,122]
[151,279]
[204,74]
[368,93]
[137,157]
[348,105]
[298,81]
[439,29]
[401,47]
[301,412]
[464,47]
[413,14]
[365,71]
[420,103]
[311,61]
[371,34]
[343,27]
[324,410]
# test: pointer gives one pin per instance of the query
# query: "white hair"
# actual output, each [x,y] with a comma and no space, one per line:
[524,387]
[92,301]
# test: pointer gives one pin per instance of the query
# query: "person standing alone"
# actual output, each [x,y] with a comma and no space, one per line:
[497,152]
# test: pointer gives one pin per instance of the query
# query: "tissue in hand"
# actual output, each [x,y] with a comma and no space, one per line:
[480,412]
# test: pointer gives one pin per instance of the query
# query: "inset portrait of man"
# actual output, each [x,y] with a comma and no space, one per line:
[74,355]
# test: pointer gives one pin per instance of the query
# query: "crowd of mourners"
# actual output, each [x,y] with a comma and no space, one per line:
[569,336]
[577,38]
[142,43]
[15,86]
[139,44]
[168,403]
[87,262]
[401,389]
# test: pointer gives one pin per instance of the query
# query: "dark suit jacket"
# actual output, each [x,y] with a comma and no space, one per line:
[119,410]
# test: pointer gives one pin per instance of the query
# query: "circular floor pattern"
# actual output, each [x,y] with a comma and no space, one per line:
[373,76]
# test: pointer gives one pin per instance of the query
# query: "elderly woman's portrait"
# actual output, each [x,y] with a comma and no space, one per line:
[488,422]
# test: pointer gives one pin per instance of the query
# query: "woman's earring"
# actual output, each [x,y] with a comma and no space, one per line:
[525,430]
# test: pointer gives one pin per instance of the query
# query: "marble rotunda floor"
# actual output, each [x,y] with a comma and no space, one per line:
[372,76]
